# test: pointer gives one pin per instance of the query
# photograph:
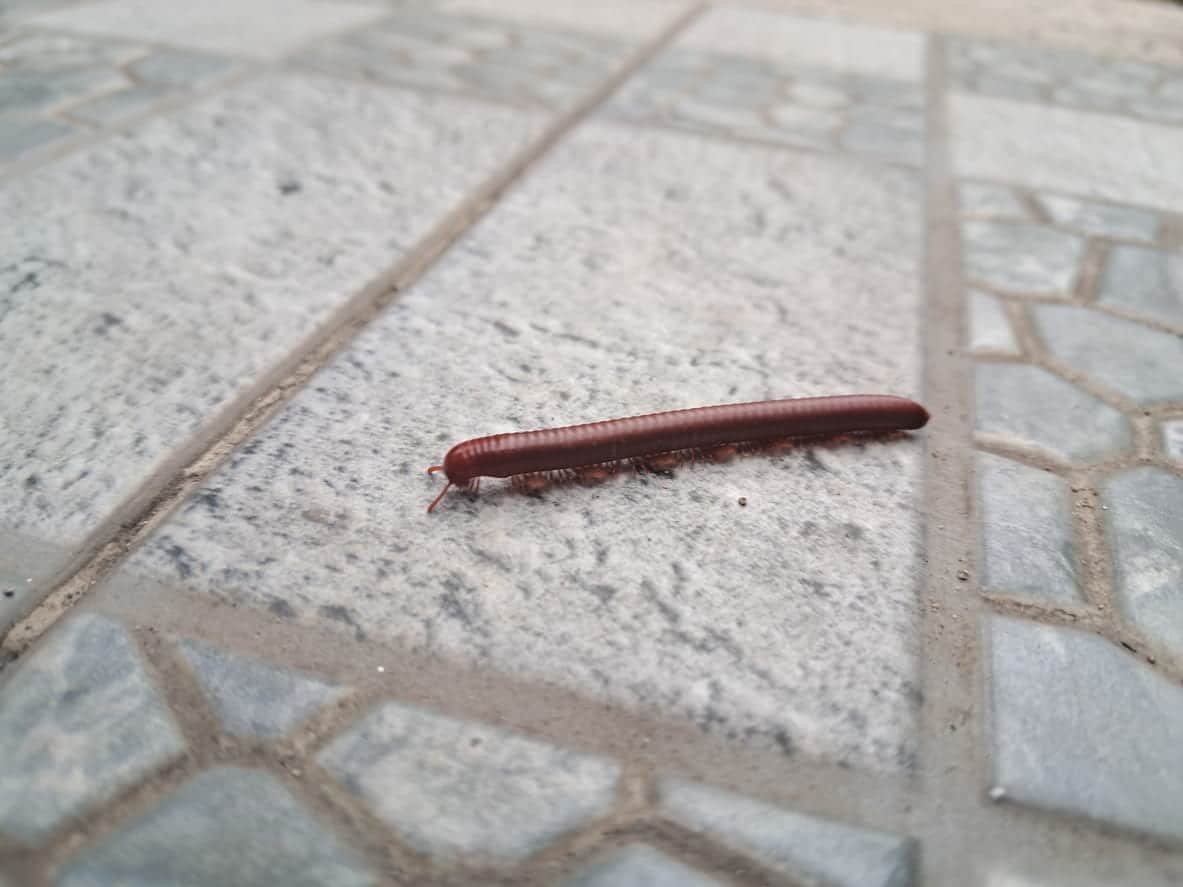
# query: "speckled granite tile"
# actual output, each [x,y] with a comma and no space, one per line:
[989,327]
[253,698]
[452,788]
[639,866]
[801,847]
[159,273]
[1078,725]
[1026,532]
[1144,524]
[635,270]
[1101,218]
[79,721]
[230,825]
[1147,281]
[979,200]
[1028,405]
[1143,364]
[1020,257]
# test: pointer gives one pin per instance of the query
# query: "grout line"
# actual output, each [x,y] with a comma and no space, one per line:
[188,467]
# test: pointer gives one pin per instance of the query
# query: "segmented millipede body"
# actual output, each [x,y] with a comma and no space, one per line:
[533,453]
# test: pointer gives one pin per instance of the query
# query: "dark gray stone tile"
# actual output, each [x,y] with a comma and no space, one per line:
[21,135]
[256,699]
[1101,218]
[79,721]
[1144,280]
[1078,725]
[798,846]
[227,826]
[639,866]
[1020,257]
[1143,364]
[1144,524]
[453,788]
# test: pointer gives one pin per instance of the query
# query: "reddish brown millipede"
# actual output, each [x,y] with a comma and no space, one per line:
[598,447]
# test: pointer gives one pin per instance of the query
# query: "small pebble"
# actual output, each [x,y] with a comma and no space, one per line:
[963,575]
[743,500]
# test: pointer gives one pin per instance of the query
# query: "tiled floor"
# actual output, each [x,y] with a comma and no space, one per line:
[272,260]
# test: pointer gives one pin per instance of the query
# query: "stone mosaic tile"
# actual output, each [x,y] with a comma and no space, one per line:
[1028,405]
[159,275]
[991,202]
[711,272]
[256,699]
[891,143]
[118,106]
[1091,155]
[21,135]
[485,56]
[1144,280]
[1143,364]
[1026,532]
[801,847]
[1080,726]
[1144,524]
[31,91]
[49,53]
[454,788]
[1040,73]
[1102,219]
[989,327]
[180,69]
[627,19]
[639,866]
[229,825]
[79,721]
[1021,258]
[1172,439]
[263,29]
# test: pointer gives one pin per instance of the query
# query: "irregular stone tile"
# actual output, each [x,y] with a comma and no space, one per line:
[1159,109]
[890,93]
[808,42]
[808,119]
[79,722]
[230,825]
[885,142]
[35,91]
[799,846]
[716,271]
[1079,726]
[1093,155]
[989,327]
[991,202]
[159,274]
[255,699]
[818,95]
[181,69]
[712,117]
[453,788]
[1028,405]
[1143,364]
[1004,87]
[639,866]
[1172,439]
[1026,532]
[635,19]
[57,52]
[1144,522]
[259,28]
[1098,218]
[119,105]
[20,135]
[892,118]
[1021,258]
[1144,280]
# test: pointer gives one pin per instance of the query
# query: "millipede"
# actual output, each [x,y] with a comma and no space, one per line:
[596,449]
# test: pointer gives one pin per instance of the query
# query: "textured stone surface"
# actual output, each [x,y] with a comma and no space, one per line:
[1021,258]
[455,788]
[1144,523]
[802,847]
[261,28]
[175,68]
[1080,726]
[1143,364]
[989,327]
[1028,405]
[1101,218]
[636,19]
[639,866]
[79,721]
[1087,154]
[1172,439]
[891,143]
[1026,522]
[991,202]
[255,699]
[158,276]
[20,135]
[1144,280]
[29,91]
[228,826]
[119,106]
[714,272]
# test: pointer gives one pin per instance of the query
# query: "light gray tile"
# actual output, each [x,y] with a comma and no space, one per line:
[1144,523]
[1172,439]
[1079,726]
[1021,258]
[639,866]
[811,120]
[453,788]
[229,825]
[36,91]
[1028,405]
[991,202]
[181,69]
[1026,531]
[1143,364]
[256,699]
[1007,86]
[989,327]
[890,143]
[628,19]
[56,52]
[120,105]
[818,95]
[1100,218]
[79,721]
[635,270]
[20,134]
[799,846]
[1144,280]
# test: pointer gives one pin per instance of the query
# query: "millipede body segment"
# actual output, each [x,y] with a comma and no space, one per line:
[702,428]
